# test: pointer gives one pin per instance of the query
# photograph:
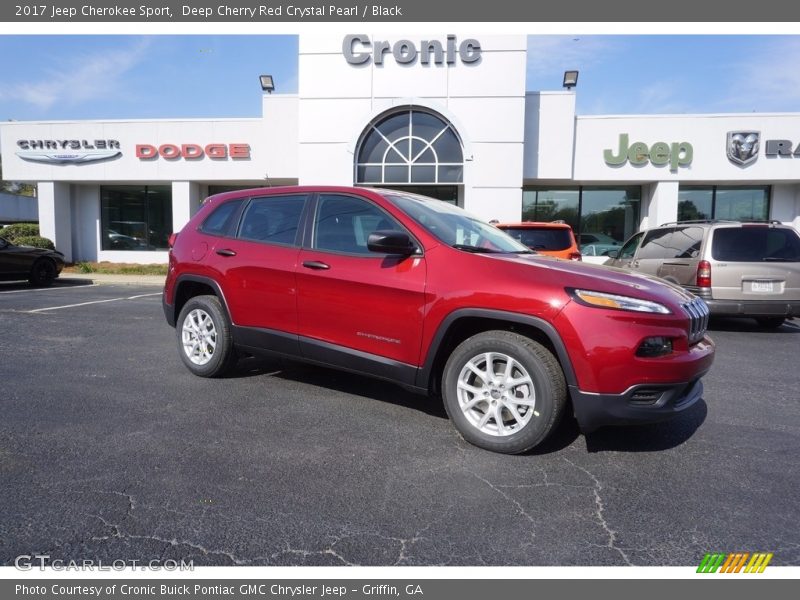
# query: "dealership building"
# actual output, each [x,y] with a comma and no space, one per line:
[447,116]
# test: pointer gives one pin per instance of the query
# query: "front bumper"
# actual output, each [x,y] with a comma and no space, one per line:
[644,403]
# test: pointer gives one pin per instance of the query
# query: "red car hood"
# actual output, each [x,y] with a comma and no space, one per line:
[601,278]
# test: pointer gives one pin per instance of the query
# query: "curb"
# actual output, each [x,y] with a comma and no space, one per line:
[105,279]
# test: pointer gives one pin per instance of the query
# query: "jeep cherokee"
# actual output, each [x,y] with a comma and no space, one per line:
[419,292]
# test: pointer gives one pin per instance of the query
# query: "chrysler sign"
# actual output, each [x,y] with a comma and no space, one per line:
[360,50]
[68,152]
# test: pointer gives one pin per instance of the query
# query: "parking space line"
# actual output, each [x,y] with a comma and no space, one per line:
[52,289]
[38,310]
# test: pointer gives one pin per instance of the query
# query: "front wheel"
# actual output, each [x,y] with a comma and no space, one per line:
[503,391]
[204,337]
[43,273]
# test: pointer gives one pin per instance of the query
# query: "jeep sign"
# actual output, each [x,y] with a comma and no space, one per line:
[360,50]
[676,154]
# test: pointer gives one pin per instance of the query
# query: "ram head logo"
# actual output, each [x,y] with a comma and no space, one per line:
[743,147]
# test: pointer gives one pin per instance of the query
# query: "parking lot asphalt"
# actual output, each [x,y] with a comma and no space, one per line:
[110,449]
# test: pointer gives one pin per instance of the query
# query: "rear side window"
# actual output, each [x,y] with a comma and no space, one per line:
[755,244]
[220,221]
[685,242]
[542,239]
[672,242]
[272,219]
[655,244]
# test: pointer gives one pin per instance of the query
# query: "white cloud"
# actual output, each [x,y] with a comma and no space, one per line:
[80,78]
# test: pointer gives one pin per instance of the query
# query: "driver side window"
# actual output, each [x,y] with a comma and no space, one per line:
[343,224]
[629,249]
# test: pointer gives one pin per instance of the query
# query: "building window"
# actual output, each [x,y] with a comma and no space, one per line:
[136,217]
[598,215]
[412,147]
[728,203]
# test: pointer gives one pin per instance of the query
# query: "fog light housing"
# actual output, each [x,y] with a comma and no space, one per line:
[654,346]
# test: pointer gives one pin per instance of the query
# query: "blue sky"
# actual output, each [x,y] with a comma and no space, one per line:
[108,77]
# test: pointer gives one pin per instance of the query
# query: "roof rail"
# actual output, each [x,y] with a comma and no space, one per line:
[699,221]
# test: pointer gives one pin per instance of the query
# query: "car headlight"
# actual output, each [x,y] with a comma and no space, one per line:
[604,300]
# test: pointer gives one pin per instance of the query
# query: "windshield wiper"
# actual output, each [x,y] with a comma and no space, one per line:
[779,259]
[477,249]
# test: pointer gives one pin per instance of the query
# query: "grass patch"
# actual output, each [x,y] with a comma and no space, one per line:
[109,268]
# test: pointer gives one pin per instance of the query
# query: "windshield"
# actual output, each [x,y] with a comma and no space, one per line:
[456,227]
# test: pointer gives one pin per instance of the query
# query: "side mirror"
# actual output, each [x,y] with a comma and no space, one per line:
[390,241]
[613,254]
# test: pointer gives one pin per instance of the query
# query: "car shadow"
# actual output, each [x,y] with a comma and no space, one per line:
[745,325]
[632,438]
[565,434]
[11,286]
[649,438]
[340,381]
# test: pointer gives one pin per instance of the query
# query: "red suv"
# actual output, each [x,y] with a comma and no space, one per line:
[419,292]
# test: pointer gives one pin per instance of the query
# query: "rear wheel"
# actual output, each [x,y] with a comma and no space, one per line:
[204,337]
[770,322]
[43,273]
[503,391]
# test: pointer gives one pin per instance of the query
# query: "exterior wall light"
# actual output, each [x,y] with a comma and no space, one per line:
[267,84]
[570,79]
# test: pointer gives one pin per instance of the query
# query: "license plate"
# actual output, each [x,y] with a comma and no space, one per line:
[762,286]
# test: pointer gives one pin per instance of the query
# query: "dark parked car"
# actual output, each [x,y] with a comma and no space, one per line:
[418,291]
[38,265]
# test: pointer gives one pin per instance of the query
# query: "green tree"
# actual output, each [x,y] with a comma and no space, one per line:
[15,187]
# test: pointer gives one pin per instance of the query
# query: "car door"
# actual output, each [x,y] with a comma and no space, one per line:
[258,264]
[683,255]
[357,308]
[655,247]
[15,261]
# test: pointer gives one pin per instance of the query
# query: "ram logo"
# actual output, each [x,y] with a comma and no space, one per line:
[743,147]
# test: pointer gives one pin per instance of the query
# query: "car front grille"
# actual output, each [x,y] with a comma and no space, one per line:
[698,313]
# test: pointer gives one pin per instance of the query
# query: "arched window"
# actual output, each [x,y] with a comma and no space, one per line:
[411,147]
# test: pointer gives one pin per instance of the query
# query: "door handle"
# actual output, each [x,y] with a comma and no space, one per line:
[226,252]
[315,264]
[635,264]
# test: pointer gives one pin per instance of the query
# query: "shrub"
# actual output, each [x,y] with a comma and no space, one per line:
[33,240]
[19,230]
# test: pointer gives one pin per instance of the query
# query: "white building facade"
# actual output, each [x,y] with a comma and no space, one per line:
[446,116]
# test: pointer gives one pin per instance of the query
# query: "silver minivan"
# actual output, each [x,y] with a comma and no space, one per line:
[739,269]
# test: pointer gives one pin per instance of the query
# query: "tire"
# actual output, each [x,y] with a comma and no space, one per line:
[476,404]
[43,273]
[770,322]
[204,338]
